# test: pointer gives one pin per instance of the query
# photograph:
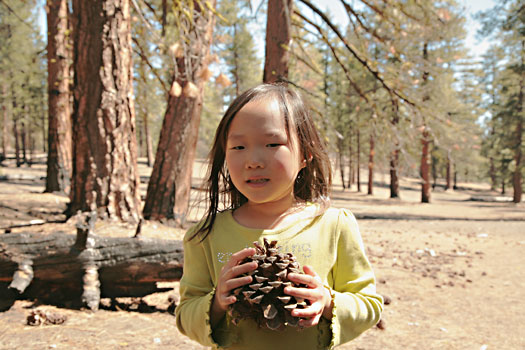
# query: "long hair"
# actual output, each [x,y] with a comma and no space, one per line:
[313,182]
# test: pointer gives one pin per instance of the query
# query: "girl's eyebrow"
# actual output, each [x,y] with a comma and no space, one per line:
[268,134]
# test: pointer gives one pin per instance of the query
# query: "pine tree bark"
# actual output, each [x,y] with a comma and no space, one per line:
[278,37]
[23,140]
[5,123]
[358,170]
[425,168]
[59,158]
[518,156]
[105,175]
[394,159]
[371,165]
[350,162]
[169,187]
[17,142]
[341,162]
[448,186]
[425,156]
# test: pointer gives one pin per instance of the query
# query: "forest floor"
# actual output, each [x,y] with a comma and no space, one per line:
[454,271]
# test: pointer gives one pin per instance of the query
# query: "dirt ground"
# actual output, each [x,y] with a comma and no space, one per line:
[453,270]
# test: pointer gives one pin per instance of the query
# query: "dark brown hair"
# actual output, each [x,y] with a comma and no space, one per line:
[313,182]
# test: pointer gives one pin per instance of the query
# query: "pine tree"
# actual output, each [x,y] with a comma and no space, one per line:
[59,58]
[507,21]
[22,76]
[105,175]
[170,182]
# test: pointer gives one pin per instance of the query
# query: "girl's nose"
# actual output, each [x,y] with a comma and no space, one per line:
[254,161]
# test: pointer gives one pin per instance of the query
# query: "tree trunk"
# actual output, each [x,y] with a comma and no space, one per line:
[425,168]
[341,162]
[350,163]
[425,157]
[5,123]
[371,165]
[394,159]
[433,166]
[17,143]
[105,175]
[516,178]
[169,187]
[449,172]
[147,138]
[144,112]
[59,158]
[358,170]
[88,266]
[394,179]
[23,139]
[278,38]
[236,78]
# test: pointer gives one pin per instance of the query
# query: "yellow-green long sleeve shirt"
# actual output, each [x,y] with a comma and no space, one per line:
[330,243]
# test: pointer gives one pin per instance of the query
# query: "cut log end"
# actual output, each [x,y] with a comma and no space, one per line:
[22,277]
[91,288]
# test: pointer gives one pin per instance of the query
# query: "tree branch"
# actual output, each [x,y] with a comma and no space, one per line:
[153,69]
[353,51]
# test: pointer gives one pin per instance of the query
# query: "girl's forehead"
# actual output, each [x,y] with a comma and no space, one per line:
[261,113]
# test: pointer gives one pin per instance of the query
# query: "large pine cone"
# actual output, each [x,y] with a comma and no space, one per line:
[264,299]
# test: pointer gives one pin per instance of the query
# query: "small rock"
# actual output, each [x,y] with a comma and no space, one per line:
[387,300]
[381,325]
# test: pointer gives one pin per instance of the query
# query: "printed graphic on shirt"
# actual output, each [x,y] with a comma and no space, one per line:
[301,250]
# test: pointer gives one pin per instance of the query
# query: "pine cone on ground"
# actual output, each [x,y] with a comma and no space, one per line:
[264,299]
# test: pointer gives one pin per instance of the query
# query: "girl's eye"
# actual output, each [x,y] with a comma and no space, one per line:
[273,145]
[238,147]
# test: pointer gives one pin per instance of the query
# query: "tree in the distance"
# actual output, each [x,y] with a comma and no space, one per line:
[59,157]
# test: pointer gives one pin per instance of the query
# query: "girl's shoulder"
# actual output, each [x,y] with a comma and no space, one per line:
[332,213]
[193,232]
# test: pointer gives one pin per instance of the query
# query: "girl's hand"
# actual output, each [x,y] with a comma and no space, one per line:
[318,296]
[228,280]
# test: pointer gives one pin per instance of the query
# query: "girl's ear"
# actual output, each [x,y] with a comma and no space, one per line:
[306,161]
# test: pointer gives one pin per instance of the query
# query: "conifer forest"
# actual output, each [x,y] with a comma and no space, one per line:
[395,90]
[108,110]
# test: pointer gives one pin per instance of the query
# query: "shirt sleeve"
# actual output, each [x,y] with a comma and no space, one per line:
[196,293]
[357,306]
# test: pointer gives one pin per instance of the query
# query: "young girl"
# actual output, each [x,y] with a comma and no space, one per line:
[270,164]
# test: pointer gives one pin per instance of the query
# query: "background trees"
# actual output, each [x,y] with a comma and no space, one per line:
[393,89]
[506,87]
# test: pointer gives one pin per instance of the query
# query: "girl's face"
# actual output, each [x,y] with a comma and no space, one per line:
[262,160]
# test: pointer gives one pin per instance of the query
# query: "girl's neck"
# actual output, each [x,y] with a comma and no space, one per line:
[267,215]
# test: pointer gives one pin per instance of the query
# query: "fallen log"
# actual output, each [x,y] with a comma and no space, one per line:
[59,264]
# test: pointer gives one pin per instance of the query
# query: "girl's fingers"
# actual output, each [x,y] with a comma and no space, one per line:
[240,269]
[305,293]
[237,257]
[310,281]
[309,312]
[310,277]
[309,322]
[235,283]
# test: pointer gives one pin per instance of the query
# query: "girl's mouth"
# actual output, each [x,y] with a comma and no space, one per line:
[257,181]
